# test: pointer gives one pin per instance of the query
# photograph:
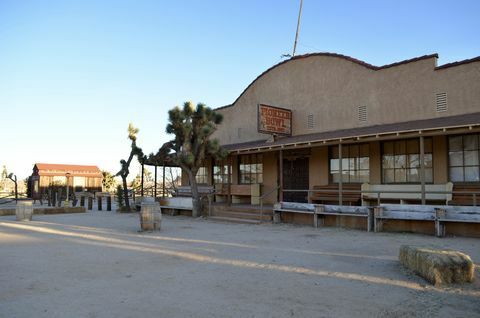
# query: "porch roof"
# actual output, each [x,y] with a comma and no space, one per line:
[426,127]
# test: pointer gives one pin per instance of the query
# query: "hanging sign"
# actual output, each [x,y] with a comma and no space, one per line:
[274,120]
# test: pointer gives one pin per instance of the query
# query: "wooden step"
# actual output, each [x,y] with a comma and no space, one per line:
[243,209]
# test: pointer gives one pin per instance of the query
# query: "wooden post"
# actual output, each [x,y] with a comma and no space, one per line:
[155,186]
[141,188]
[109,203]
[229,181]
[280,175]
[340,180]
[422,167]
[99,203]
[163,185]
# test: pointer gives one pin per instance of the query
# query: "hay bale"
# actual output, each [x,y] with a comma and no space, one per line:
[438,267]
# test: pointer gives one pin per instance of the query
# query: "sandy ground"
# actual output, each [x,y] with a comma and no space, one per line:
[98,265]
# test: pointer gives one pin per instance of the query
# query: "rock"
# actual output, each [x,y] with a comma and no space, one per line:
[438,267]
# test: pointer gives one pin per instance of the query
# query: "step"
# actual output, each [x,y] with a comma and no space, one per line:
[233,220]
[242,209]
[243,215]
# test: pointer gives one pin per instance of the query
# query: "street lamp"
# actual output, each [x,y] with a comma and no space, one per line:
[67,203]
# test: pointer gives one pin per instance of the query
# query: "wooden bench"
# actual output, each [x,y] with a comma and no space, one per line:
[320,211]
[402,212]
[329,193]
[466,198]
[412,194]
[294,207]
[345,210]
[177,203]
[459,214]
[186,191]
[241,193]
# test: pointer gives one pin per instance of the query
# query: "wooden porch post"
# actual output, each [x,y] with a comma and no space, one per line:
[155,186]
[280,175]
[340,180]
[229,180]
[141,188]
[163,181]
[422,168]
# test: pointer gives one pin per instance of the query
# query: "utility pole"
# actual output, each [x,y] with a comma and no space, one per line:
[298,28]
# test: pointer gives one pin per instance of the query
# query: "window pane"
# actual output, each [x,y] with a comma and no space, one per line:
[388,161]
[414,161]
[334,164]
[456,174]
[345,164]
[471,158]
[351,164]
[335,176]
[472,174]
[413,175]
[400,175]
[388,176]
[364,163]
[260,167]
[400,161]
[455,158]
[470,142]
[429,175]
[364,176]
[455,143]
[428,160]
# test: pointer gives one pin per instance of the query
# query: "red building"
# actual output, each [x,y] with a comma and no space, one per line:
[78,177]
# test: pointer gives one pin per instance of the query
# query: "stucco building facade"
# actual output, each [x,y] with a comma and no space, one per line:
[368,124]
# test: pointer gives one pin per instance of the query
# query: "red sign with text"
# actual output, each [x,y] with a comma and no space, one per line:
[274,120]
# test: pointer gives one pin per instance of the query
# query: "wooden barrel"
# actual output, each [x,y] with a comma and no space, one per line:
[150,216]
[24,210]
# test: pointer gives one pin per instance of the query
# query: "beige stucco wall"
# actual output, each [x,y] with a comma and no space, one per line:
[332,88]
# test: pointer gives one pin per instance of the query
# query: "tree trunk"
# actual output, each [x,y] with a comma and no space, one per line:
[125,193]
[197,206]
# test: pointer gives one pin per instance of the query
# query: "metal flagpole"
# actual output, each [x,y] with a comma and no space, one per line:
[298,28]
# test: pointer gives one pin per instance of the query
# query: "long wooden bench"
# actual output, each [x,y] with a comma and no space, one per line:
[466,198]
[241,193]
[329,193]
[402,212]
[319,212]
[454,214]
[412,193]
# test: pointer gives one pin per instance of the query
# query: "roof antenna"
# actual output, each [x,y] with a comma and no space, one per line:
[298,29]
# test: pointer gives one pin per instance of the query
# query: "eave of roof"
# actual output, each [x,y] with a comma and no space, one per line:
[356,61]
[396,129]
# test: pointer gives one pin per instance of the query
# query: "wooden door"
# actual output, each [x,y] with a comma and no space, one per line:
[295,177]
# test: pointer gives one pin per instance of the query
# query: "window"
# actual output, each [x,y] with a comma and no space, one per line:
[401,161]
[463,158]
[355,164]
[202,175]
[220,172]
[251,169]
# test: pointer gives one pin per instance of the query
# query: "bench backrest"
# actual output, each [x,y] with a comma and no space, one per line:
[184,202]
[187,190]
[467,213]
[398,188]
[297,206]
[346,209]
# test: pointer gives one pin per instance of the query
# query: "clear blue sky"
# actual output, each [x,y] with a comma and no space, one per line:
[73,74]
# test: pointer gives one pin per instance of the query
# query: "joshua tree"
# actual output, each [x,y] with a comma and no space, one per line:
[135,151]
[109,183]
[13,177]
[192,127]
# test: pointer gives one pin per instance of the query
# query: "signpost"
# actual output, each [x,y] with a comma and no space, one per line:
[274,120]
